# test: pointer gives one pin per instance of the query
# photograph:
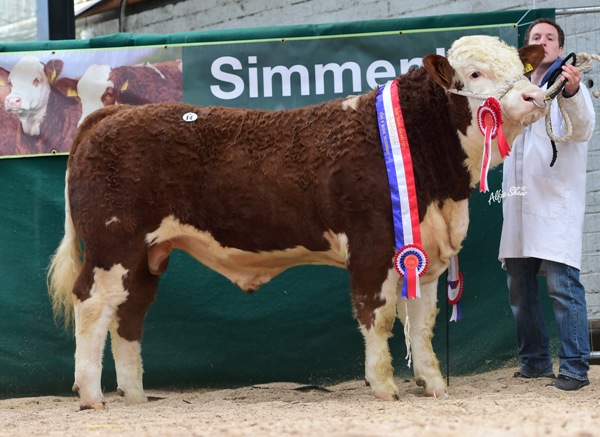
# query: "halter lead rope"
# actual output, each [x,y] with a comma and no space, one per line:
[501,92]
[582,61]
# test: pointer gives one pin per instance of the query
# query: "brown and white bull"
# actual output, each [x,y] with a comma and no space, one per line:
[250,193]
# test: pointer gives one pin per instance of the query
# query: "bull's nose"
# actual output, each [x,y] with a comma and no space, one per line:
[13,102]
[536,97]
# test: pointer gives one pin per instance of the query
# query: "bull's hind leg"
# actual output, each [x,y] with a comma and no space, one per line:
[126,335]
[375,310]
[98,293]
[421,319]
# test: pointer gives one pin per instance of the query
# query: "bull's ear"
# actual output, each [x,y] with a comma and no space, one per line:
[439,69]
[531,56]
[53,69]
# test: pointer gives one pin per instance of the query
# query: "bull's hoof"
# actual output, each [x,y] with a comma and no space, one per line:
[93,406]
[134,398]
[385,389]
[433,390]
[439,392]
[389,397]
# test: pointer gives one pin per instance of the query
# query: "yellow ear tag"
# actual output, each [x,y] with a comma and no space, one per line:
[125,86]
[528,68]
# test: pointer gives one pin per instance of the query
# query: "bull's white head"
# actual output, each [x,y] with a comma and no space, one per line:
[29,93]
[486,66]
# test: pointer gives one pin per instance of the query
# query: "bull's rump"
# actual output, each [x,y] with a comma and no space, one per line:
[257,181]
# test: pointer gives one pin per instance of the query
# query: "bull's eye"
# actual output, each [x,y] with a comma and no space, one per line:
[475,75]
[36,82]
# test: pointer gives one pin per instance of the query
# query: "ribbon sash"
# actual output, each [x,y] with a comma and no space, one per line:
[410,260]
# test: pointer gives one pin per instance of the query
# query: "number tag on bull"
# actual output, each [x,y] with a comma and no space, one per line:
[190,116]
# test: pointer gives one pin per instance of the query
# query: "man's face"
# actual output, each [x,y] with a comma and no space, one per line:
[546,35]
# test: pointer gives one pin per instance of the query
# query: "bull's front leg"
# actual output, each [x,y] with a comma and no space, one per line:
[421,320]
[376,313]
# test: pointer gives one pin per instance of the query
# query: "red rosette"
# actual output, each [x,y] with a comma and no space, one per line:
[489,116]
[411,257]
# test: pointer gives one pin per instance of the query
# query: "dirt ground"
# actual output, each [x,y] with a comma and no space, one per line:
[490,404]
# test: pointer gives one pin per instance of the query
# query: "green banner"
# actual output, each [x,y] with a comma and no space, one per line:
[291,72]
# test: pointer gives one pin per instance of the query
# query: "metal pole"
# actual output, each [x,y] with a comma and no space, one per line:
[61,19]
[447,344]
[578,10]
[122,15]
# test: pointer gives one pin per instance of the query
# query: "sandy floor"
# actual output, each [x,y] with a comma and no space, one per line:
[490,404]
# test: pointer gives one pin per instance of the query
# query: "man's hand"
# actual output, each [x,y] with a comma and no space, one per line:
[573,77]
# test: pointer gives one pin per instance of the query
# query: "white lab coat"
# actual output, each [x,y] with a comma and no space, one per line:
[544,206]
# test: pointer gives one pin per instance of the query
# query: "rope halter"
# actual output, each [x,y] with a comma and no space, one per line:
[500,92]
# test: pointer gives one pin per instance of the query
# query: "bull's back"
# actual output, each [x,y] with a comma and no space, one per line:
[260,180]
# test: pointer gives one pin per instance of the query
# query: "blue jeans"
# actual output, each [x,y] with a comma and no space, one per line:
[570,312]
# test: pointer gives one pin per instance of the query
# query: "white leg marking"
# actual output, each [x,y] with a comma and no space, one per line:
[92,319]
[128,363]
[379,372]
[421,313]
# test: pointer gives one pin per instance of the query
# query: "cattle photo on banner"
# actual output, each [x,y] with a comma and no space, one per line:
[46,95]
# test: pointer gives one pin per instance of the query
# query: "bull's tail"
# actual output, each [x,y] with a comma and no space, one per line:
[64,268]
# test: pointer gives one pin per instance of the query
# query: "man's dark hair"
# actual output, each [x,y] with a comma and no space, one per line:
[561,34]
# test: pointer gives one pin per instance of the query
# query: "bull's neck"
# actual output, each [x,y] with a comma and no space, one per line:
[433,121]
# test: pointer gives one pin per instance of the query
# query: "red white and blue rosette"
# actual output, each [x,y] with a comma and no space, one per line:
[411,262]
[454,288]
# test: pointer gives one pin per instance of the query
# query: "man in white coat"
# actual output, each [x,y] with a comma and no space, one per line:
[543,223]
